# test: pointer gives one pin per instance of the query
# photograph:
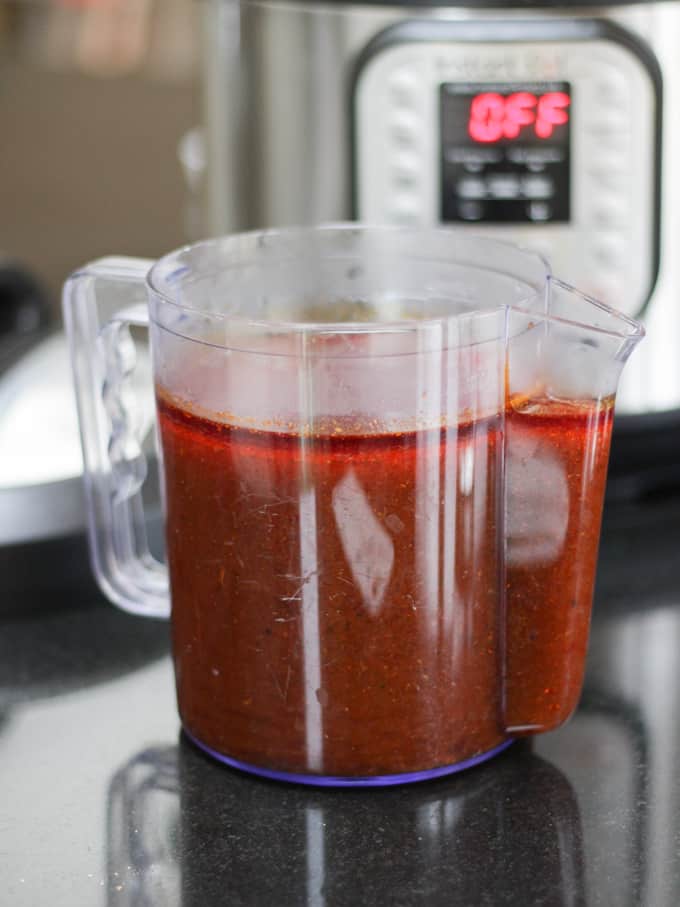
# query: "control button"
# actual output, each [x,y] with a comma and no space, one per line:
[503,186]
[610,212]
[610,177]
[405,179]
[405,128]
[539,211]
[609,252]
[471,187]
[403,87]
[407,161]
[615,119]
[611,155]
[406,169]
[537,187]
[610,84]
[609,125]
[405,211]
[535,167]
[469,210]
[598,69]
[612,92]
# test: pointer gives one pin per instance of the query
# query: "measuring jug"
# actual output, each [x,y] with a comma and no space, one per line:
[383,458]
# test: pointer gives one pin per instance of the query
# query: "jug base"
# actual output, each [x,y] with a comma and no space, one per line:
[343,781]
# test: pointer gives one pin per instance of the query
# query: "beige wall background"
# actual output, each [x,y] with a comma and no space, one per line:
[93,103]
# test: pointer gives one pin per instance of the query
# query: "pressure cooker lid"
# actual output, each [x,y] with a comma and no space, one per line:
[41,493]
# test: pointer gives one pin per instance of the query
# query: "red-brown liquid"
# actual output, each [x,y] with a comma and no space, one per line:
[557,455]
[339,603]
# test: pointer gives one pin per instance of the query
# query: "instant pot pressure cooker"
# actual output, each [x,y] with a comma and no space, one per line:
[548,125]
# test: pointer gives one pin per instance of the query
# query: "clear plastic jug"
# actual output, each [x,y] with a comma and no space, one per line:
[383,459]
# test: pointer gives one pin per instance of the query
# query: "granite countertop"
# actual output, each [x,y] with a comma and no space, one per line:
[104,803]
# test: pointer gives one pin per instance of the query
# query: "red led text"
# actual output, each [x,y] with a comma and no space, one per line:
[495,116]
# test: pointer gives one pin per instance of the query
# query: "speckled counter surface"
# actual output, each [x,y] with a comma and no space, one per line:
[103,803]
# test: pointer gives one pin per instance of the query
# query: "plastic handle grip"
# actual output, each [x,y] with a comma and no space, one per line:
[100,302]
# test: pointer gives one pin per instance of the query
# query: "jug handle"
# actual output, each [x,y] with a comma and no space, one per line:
[100,303]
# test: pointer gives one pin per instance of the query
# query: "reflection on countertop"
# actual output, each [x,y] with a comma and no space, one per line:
[587,815]
[245,841]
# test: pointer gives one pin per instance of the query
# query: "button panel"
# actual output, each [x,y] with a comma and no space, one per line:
[605,244]
[517,136]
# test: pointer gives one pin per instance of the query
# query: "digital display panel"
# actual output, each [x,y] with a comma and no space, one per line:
[505,152]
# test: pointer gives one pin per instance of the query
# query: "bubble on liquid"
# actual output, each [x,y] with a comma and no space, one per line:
[394,523]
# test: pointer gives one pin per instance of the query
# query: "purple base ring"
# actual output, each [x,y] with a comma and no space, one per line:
[344,781]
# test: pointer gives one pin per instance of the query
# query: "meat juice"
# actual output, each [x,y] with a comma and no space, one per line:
[339,603]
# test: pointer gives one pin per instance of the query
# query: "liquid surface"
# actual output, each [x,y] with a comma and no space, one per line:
[354,605]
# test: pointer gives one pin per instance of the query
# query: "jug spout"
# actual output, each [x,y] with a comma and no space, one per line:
[576,346]
[564,365]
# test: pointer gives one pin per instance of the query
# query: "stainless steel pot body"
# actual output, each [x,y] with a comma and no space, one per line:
[320,112]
